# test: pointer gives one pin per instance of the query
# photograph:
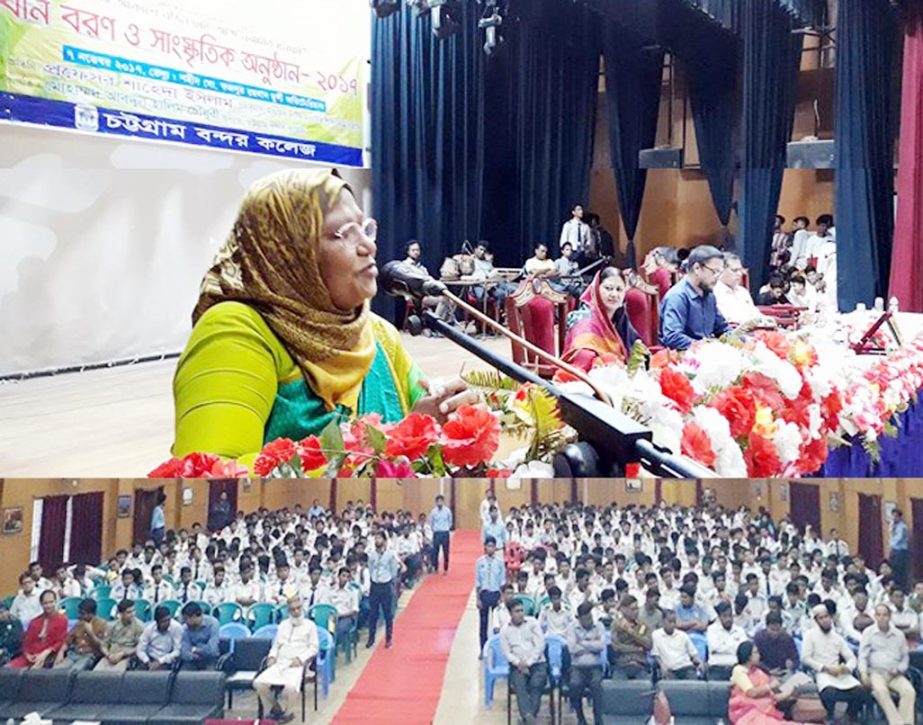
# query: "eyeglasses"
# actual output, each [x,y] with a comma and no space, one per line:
[713,270]
[355,233]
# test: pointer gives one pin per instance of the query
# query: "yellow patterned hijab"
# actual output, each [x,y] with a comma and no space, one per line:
[270,262]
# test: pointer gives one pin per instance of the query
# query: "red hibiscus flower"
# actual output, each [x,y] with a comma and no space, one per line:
[168,469]
[812,456]
[738,406]
[229,469]
[498,473]
[775,341]
[275,453]
[761,457]
[395,469]
[470,437]
[831,407]
[199,465]
[412,437]
[676,386]
[764,389]
[697,445]
[312,457]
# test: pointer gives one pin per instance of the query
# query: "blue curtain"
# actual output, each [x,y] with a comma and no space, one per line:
[866,38]
[772,57]
[633,80]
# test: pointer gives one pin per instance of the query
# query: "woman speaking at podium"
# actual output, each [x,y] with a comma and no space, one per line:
[284,340]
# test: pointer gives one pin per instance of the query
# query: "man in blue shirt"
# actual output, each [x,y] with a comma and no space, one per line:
[900,549]
[158,520]
[489,578]
[494,528]
[440,520]
[200,639]
[384,569]
[689,311]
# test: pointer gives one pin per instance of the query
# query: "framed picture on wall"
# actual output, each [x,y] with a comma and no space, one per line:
[709,496]
[634,485]
[783,491]
[12,520]
[187,496]
[513,484]
[124,510]
[247,485]
[834,502]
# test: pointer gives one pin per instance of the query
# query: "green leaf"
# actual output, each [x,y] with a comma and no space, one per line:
[331,439]
[637,360]
[437,464]
[489,380]
[376,439]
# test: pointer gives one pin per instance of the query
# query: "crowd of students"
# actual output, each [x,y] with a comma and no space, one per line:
[356,562]
[685,593]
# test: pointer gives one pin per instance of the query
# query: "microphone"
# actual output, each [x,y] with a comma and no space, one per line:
[401,279]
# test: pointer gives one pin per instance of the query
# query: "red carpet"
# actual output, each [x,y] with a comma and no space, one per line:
[404,683]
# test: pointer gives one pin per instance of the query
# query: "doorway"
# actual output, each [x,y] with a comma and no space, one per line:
[145,502]
[804,502]
[871,542]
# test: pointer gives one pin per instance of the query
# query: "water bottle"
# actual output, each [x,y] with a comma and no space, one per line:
[879,304]
[860,307]
[893,306]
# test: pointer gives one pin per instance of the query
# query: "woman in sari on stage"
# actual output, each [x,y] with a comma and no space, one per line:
[284,340]
[600,327]
[753,699]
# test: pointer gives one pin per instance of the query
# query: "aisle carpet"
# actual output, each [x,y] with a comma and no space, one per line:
[404,683]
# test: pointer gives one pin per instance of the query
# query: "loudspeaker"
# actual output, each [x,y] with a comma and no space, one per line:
[811,155]
[661,158]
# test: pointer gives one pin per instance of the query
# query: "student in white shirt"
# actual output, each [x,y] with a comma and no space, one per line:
[248,591]
[296,643]
[217,591]
[555,617]
[159,590]
[723,637]
[674,651]
[345,598]
[575,231]
[27,604]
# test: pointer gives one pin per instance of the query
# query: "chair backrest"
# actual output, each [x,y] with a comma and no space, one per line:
[228,612]
[324,616]
[528,604]
[688,698]
[496,660]
[535,311]
[719,693]
[105,608]
[146,688]
[102,591]
[10,683]
[629,697]
[46,686]
[173,606]
[198,688]
[267,631]
[250,652]
[233,631]
[642,308]
[555,648]
[144,610]
[325,640]
[70,606]
[261,614]
[103,687]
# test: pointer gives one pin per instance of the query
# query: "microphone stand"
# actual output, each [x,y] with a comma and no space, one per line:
[609,439]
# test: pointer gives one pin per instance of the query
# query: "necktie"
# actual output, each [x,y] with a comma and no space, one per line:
[281,588]
[196,575]
[125,595]
[185,593]
[768,592]
[156,593]
[311,603]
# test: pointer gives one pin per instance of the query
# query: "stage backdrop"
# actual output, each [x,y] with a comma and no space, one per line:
[260,77]
[105,238]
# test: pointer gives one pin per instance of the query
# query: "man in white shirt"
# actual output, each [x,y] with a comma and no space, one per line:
[283,587]
[523,645]
[833,662]
[313,590]
[27,605]
[555,617]
[296,643]
[218,590]
[345,598]
[674,651]
[248,590]
[65,585]
[799,241]
[159,590]
[836,546]
[734,300]
[883,664]
[723,638]
[575,231]
[489,500]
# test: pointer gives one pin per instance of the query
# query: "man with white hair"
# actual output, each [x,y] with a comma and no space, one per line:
[296,642]
[833,662]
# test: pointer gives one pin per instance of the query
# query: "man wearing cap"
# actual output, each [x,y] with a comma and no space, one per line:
[833,662]
[883,664]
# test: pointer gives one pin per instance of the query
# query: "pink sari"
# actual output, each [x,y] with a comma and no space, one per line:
[591,332]
[744,710]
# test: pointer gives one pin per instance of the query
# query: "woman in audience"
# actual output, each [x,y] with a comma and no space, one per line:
[284,339]
[753,691]
[600,327]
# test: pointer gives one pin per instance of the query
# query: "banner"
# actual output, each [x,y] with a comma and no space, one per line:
[274,77]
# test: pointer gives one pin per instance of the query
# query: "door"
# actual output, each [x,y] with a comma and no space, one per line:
[87,536]
[916,536]
[145,501]
[804,501]
[52,535]
[871,540]
[215,488]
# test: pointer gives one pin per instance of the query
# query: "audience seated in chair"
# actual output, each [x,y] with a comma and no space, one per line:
[83,647]
[45,636]
[161,642]
[121,643]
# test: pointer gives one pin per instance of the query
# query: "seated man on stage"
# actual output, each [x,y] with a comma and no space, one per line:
[566,268]
[540,265]
[734,301]
[689,312]
[442,308]
[484,271]
[775,292]
[600,326]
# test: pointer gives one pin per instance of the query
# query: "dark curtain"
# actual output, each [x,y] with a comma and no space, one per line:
[51,539]
[215,488]
[871,542]
[633,80]
[145,501]
[866,34]
[908,233]
[804,506]
[712,77]
[772,57]
[87,528]
[916,537]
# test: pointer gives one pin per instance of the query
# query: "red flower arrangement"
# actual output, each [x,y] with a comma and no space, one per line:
[676,386]
[697,445]
[738,405]
[412,437]
[470,437]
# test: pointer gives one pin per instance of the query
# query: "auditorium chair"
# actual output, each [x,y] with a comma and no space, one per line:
[643,308]
[786,316]
[10,683]
[195,697]
[696,702]
[242,664]
[538,312]
[92,694]
[40,691]
[627,702]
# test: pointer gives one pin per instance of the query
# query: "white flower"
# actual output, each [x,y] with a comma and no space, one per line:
[783,373]
[533,469]
[730,463]
[715,425]
[788,442]
[717,365]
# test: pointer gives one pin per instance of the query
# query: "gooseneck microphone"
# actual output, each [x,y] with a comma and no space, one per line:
[403,279]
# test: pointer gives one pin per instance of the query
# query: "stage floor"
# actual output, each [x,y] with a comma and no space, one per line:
[118,422]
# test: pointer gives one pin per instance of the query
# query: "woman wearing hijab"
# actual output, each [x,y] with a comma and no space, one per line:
[600,326]
[284,341]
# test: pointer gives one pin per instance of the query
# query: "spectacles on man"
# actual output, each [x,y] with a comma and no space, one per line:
[715,271]
[353,232]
